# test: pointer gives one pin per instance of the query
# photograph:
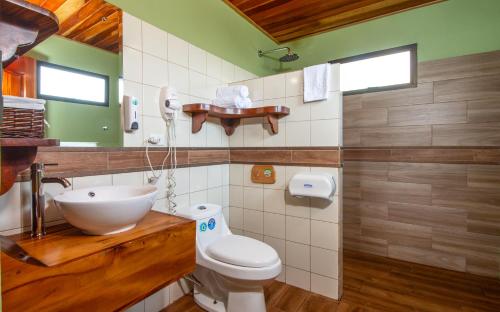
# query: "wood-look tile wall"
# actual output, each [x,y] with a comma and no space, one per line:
[421,170]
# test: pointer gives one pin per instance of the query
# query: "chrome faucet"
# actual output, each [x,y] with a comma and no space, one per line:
[38,197]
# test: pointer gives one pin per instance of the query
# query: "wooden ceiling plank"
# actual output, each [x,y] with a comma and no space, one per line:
[99,28]
[103,12]
[80,16]
[67,8]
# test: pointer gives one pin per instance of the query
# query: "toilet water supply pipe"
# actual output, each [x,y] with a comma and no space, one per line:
[172,151]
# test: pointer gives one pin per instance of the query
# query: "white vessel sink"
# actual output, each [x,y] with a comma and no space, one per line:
[106,210]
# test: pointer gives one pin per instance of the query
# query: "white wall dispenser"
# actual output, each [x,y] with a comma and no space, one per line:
[130,113]
[312,184]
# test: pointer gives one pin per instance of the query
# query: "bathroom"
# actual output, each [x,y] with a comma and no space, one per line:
[234,155]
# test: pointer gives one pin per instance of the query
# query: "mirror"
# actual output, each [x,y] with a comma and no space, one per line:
[77,72]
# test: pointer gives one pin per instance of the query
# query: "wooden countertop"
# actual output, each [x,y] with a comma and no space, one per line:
[65,243]
[99,273]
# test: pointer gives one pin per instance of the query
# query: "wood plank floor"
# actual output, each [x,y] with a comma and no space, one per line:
[374,283]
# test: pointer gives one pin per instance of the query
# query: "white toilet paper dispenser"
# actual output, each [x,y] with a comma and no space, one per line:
[312,184]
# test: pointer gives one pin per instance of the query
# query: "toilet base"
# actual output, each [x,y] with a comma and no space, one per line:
[207,303]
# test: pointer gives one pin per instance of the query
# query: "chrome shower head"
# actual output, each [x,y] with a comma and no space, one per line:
[288,57]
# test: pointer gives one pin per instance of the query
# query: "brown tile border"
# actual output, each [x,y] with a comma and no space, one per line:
[442,155]
[311,156]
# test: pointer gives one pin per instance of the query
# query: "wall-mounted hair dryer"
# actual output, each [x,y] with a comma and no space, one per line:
[169,103]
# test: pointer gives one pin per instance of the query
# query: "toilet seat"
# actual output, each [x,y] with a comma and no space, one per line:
[242,251]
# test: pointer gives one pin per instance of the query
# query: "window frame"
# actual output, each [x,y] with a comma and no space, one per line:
[412,48]
[39,64]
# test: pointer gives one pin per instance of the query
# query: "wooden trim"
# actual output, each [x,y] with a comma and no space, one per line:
[288,156]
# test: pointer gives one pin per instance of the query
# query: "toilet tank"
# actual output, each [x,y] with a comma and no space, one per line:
[210,223]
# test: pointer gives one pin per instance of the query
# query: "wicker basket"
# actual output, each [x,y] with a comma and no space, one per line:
[22,118]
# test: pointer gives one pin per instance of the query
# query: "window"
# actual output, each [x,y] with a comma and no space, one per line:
[67,84]
[379,71]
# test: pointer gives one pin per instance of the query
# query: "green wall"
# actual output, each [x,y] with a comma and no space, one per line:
[80,122]
[450,28]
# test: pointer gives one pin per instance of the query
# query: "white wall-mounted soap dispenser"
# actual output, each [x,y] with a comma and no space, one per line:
[312,184]
[130,113]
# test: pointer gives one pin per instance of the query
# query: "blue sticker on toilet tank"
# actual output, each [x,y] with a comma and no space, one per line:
[211,224]
[307,185]
[203,227]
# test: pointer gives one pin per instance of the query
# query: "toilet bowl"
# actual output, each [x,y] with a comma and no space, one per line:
[230,269]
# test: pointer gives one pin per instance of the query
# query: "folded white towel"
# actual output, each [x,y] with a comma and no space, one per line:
[316,82]
[234,101]
[231,91]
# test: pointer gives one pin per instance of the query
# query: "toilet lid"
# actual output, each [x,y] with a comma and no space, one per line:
[242,251]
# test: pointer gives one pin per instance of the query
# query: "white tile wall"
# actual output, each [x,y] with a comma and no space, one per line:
[305,232]
[308,124]
[153,58]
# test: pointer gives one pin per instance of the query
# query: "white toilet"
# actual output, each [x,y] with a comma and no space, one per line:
[230,269]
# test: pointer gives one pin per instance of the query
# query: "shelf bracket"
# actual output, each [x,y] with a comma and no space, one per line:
[198,121]
[273,122]
[230,125]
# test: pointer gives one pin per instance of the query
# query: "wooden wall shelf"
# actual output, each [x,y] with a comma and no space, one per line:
[23,26]
[17,154]
[230,117]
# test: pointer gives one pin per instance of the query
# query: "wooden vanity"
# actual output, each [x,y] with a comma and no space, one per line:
[99,273]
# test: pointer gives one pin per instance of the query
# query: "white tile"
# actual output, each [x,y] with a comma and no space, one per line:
[335,78]
[178,50]
[247,177]
[198,178]
[325,132]
[253,198]
[274,201]
[182,181]
[153,126]
[294,83]
[197,59]
[236,174]
[10,214]
[279,184]
[178,77]
[214,66]
[150,103]
[160,205]
[128,178]
[214,176]
[138,307]
[154,41]
[132,65]
[225,213]
[299,111]
[253,132]
[274,87]
[132,33]
[298,133]
[298,278]
[155,71]
[236,231]
[327,109]
[182,200]
[242,74]
[198,139]
[236,217]
[282,276]
[197,198]
[236,139]
[298,230]
[214,196]
[278,244]
[236,196]
[253,221]
[256,236]
[324,262]
[225,174]
[178,290]
[298,255]
[325,286]
[225,196]
[325,210]
[297,207]
[210,90]
[227,72]
[325,235]
[158,300]
[274,225]
[182,133]
[92,181]
[197,83]
[214,133]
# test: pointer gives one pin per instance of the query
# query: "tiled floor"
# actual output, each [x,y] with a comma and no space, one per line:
[373,283]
